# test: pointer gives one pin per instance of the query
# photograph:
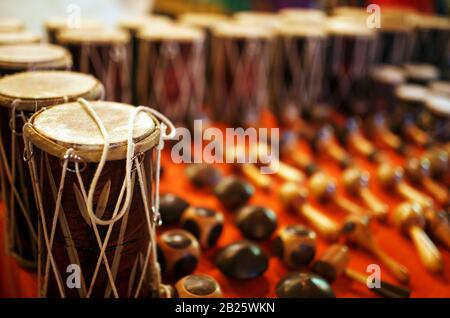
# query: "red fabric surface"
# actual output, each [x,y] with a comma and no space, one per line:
[15,282]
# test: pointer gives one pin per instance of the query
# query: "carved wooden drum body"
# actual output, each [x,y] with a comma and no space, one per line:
[240,68]
[171,71]
[95,172]
[104,54]
[21,95]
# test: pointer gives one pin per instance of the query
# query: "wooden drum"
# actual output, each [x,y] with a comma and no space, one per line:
[435,117]
[350,55]
[105,55]
[21,95]
[55,25]
[171,71]
[385,79]
[31,57]
[95,172]
[240,72]
[297,70]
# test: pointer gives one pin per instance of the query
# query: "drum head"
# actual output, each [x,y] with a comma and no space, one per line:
[388,74]
[438,104]
[241,31]
[349,27]
[171,32]
[441,87]
[31,90]
[18,37]
[202,20]
[84,36]
[23,56]
[136,23]
[10,24]
[59,23]
[411,92]
[69,125]
[425,72]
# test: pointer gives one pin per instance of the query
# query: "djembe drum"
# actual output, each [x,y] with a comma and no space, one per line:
[55,25]
[171,71]
[105,55]
[297,70]
[351,53]
[132,25]
[18,37]
[384,80]
[33,57]
[95,172]
[21,95]
[395,41]
[240,71]
[10,24]
[435,117]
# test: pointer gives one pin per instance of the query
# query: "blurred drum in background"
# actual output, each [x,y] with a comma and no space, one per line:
[421,74]
[206,22]
[435,117]
[55,25]
[297,70]
[351,53]
[433,42]
[104,54]
[33,57]
[440,87]
[132,25]
[10,24]
[171,71]
[21,95]
[19,37]
[240,71]
[97,200]
[385,79]
[302,15]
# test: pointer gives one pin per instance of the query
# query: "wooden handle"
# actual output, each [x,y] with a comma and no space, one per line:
[325,226]
[417,135]
[336,153]
[390,139]
[428,253]
[441,231]
[362,145]
[400,272]
[379,209]
[303,162]
[348,206]
[386,290]
[289,173]
[436,190]
[410,193]
[252,172]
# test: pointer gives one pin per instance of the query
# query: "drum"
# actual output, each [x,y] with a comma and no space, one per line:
[18,37]
[10,24]
[95,172]
[132,25]
[302,15]
[21,95]
[55,25]
[31,57]
[240,72]
[440,87]
[421,74]
[395,41]
[105,55]
[171,71]
[350,55]
[435,117]
[385,79]
[297,70]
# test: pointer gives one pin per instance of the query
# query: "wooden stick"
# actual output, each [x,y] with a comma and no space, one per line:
[348,206]
[412,194]
[325,226]
[439,193]
[378,208]
[428,253]
[252,172]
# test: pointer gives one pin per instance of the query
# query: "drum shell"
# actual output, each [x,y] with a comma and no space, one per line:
[240,76]
[296,74]
[395,47]
[109,62]
[171,77]
[131,248]
[432,47]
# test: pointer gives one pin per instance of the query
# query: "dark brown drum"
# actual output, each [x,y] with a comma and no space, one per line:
[395,42]
[20,96]
[57,24]
[33,57]
[95,172]
[132,25]
[385,79]
[171,71]
[297,70]
[350,56]
[105,55]
[240,71]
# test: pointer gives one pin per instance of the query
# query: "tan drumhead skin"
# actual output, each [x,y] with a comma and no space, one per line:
[171,32]
[438,104]
[70,126]
[441,87]
[430,22]
[29,90]
[348,26]
[136,23]
[422,71]
[60,23]
[349,11]
[83,36]
[301,30]
[255,19]
[10,24]
[301,14]
[202,20]
[237,30]
[23,56]
[388,74]
[411,92]
[18,37]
